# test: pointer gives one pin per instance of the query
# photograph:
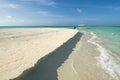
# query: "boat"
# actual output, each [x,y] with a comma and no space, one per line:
[81,25]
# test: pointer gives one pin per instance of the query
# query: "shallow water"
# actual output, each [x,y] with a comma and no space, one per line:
[70,27]
[108,41]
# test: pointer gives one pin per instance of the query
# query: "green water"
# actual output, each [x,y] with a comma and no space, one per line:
[71,27]
[109,35]
[109,40]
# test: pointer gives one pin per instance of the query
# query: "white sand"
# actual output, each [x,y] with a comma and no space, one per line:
[82,63]
[20,49]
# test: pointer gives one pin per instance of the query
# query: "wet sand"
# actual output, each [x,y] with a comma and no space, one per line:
[82,63]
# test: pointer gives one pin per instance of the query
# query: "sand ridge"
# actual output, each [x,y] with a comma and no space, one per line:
[20,49]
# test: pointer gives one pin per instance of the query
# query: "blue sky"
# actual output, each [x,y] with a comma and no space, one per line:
[59,12]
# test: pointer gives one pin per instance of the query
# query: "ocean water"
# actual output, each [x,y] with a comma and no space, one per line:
[107,39]
[71,27]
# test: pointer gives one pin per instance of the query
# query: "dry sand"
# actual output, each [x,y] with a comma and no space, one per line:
[82,63]
[74,60]
[20,49]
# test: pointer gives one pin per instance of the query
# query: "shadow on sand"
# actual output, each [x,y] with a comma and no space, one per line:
[46,69]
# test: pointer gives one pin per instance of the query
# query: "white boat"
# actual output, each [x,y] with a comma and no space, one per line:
[81,25]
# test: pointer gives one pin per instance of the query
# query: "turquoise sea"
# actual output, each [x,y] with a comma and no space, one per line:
[107,39]
[36,27]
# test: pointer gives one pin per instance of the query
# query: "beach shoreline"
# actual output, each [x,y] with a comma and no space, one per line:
[46,68]
[70,57]
[83,62]
[22,48]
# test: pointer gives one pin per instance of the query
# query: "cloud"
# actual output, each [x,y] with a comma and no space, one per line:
[90,19]
[9,5]
[47,2]
[44,13]
[13,5]
[79,10]
[8,17]
[9,20]
[43,2]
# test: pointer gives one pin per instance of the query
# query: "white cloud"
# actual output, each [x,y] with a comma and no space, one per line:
[47,2]
[13,5]
[9,5]
[10,22]
[44,13]
[43,2]
[8,17]
[79,10]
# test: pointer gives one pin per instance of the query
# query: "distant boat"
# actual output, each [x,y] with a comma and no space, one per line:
[81,25]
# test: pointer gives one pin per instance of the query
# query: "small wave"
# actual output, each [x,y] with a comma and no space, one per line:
[105,58]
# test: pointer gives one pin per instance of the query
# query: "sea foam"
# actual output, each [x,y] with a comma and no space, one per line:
[105,59]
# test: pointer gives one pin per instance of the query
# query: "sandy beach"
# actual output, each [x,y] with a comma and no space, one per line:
[20,49]
[82,64]
[49,54]
[74,60]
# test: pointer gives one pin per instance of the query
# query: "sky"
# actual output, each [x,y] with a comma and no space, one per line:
[59,12]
